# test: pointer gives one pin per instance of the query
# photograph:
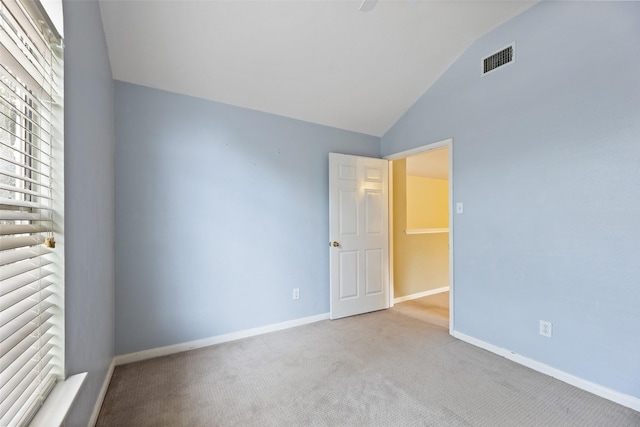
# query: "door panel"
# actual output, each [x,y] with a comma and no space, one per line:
[348,274]
[374,212]
[374,271]
[359,224]
[348,211]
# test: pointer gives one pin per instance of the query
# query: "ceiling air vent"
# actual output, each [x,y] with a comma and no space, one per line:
[498,59]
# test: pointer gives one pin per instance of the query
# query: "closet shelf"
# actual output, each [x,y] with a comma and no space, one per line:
[426,230]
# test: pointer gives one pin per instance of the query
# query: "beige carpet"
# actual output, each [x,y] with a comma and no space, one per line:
[388,368]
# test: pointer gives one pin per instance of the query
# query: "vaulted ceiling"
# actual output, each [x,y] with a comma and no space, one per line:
[321,61]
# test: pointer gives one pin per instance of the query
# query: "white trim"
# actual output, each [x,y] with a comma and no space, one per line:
[423,149]
[390,234]
[420,150]
[123,359]
[451,223]
[426,230]
[597,389]
[103,392]
[421,294]
[57,405]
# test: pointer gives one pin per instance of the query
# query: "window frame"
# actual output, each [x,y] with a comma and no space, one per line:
[51,409]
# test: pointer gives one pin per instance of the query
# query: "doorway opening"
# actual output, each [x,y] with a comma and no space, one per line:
[421,232]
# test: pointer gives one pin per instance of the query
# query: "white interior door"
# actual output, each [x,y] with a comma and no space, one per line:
[359,234]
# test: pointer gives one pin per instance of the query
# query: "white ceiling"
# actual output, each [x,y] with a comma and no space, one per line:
[432,164]
[321,61]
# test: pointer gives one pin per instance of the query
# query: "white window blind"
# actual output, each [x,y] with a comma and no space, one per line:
[31,293]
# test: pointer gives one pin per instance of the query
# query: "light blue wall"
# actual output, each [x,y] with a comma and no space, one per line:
[89,204]
[220,213]
[547,162]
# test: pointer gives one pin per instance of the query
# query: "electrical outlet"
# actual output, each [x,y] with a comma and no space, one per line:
[545,328]
[296,293]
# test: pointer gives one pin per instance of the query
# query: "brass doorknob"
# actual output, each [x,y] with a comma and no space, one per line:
[335,244]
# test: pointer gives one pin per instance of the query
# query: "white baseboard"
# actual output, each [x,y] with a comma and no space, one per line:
[103,392]
[421,294]
[597,389]
[218,339]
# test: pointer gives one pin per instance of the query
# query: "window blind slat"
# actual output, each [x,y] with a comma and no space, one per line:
[25,59]
[23,191]
[25,364]
[15,360]
[32,399]
[18,310]
[11,348]
[23,165]
[21,68]
[11,80]
[20,216]
[32,356]
[23,293]
[13,283]
[25,106]
[32,146]
[20,177]
[14,396]
[15,357]
[36,137]
[19,242]
[25,333]
[37,131]
[16,255]
[13,367]
[42,284]
[16,99]
[33,44]
[20,19]
[17,403]
[11,270]
[35,143]
[23,178]
[15,323]
[9,229]
[22,204]
[24,416]
[23,396]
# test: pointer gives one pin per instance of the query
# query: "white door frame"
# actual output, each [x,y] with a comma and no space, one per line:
[401,155]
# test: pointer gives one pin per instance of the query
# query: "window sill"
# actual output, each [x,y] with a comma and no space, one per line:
[58,403]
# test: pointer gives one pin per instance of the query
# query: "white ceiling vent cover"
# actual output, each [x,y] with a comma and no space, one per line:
[498,59]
